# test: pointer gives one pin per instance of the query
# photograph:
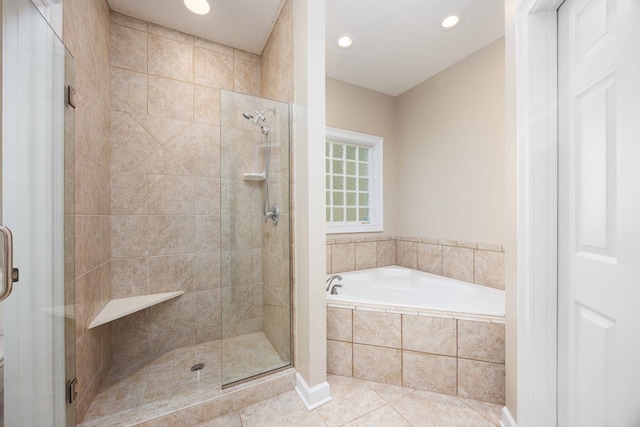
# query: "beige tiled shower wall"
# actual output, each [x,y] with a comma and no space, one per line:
[460,357]
[278,84]
[86,35]
[478,263]
[241,240]
[166,186]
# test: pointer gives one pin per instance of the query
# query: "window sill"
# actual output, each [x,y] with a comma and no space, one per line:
[348,229]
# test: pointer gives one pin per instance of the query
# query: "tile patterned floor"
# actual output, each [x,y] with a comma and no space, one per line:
[167,384]
[358,403]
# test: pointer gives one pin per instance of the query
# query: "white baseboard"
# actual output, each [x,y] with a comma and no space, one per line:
[507,419]
[312,397]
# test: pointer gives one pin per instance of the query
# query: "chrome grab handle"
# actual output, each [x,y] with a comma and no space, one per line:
[9,274]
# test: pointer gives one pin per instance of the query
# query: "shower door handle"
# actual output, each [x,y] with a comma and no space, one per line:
[9,274]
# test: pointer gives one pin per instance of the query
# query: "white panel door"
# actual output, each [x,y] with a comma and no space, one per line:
[599,213]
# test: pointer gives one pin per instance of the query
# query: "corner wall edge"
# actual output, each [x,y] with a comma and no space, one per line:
[312,397]
[507,419]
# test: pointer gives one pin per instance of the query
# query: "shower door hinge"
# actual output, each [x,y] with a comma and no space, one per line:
[71,96]
[72,394]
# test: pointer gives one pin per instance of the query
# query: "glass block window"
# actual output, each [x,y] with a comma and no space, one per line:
[353,164]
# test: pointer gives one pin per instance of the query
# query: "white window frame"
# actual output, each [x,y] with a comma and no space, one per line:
[375,144]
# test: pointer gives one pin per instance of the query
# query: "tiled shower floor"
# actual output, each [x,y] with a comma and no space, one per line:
[168,384]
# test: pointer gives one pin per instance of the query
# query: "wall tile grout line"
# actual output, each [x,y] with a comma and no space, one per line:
[403,352]
[481,264]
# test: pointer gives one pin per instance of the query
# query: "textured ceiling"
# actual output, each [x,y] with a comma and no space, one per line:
[243,24]
[397,43]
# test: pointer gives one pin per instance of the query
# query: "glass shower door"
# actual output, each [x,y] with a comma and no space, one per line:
[38,207]
[256,306]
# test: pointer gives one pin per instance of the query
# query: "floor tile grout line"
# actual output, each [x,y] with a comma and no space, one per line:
[476,411]
[365,414]
[399,413]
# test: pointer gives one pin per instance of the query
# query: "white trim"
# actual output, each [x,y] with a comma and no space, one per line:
[312,397]
[536,94]
[376,179]
[507,419]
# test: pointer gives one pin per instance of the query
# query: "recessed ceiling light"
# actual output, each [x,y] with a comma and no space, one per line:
[452,21]
[344,42]
[199,7]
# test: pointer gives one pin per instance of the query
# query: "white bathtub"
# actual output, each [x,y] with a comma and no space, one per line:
[405,288]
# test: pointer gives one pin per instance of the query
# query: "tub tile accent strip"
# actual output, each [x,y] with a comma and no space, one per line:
[454,353]
[479,263]
[416,311]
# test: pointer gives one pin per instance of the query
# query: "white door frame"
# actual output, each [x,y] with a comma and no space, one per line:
[537,138]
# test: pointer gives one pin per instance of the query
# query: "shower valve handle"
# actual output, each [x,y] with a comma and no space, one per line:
[274,214]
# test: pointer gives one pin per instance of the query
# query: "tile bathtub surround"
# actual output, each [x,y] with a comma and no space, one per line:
[407,254]
[357,254]
[481,341]
[379,329]
[478,263]
[427,334]
[433,353]
[340,358]
[378,364]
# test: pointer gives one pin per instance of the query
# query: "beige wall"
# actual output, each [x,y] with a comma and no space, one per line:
[450,162]
[357,109]
[511,261]
[86,35]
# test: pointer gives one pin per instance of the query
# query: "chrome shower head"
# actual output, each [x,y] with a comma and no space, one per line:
[259,116]
[254,119]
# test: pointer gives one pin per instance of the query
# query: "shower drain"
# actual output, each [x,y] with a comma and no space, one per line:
[197,367]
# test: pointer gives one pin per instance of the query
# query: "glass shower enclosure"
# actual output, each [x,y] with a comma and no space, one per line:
[38,328]
[255,236]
